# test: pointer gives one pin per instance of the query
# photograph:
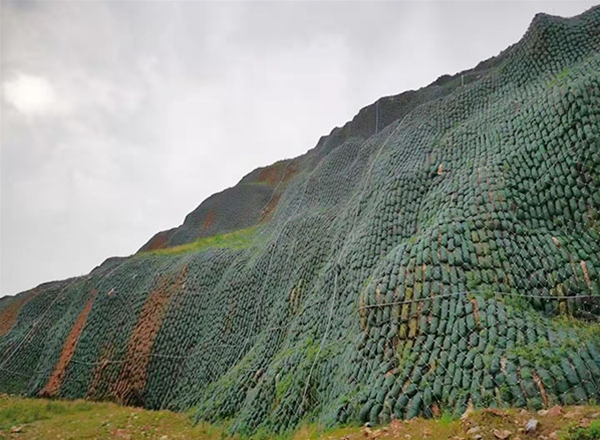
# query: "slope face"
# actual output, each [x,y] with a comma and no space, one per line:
[441,249]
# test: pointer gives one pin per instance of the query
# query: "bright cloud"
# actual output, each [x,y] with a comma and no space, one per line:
[30,94]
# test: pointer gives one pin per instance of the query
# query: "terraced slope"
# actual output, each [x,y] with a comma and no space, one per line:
[441,249]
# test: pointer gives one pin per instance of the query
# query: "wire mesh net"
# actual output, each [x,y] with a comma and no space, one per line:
[440,251]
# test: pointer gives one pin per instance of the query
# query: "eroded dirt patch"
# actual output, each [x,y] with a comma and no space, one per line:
[208,220]
[278,172]
[159,241]
[8,316]
[52,387]
[98,385]
[132,380]
[270,209]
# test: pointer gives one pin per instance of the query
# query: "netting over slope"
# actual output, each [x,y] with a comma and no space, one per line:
[411,266]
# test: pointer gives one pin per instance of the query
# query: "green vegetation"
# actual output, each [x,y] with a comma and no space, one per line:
[444,261]
[27,418]
[573,331]
[22,411]
[52,419]
[240,239]
[40,419]
[559,78]
[575,432]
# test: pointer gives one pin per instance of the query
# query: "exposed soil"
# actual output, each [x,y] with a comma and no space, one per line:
[8,316]
[268,212]
[159,241]
[52,387]
[98,382]
[132,380]
[279,172]
[208,220]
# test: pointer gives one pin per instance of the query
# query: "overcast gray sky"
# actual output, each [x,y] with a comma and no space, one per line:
[119,117]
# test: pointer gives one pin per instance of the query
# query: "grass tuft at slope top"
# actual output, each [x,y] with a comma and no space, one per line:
[240,239]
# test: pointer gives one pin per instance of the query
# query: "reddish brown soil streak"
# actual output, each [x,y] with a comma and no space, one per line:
[132,380]
[8,316]
[158,242]
[52,387]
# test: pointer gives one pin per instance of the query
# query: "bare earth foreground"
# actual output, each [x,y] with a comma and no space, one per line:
[23,418]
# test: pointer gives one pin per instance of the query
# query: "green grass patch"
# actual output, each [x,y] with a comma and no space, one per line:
[42,419]
[241,239]
[577,433]
[23,411]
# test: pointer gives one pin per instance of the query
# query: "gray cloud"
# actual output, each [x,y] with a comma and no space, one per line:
[147,108]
